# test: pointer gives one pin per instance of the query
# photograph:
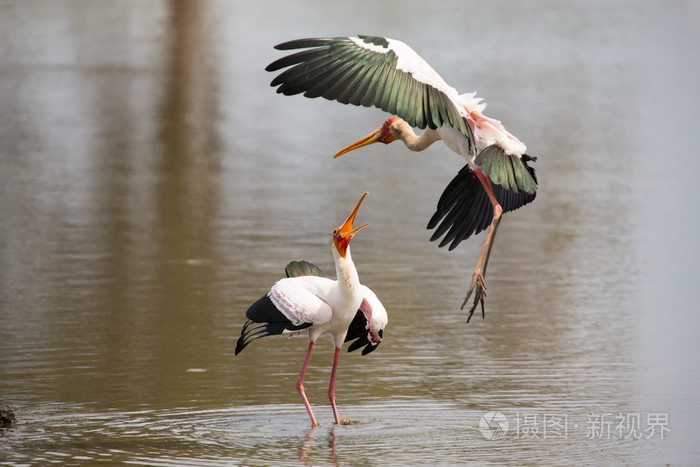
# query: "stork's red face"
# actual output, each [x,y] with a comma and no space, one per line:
[380,135]
[343,234]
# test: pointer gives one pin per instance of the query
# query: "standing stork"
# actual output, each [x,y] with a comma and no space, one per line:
[388,74]
[305,301]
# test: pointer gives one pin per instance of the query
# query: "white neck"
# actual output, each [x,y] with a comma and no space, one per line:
[403,131]
[346,273]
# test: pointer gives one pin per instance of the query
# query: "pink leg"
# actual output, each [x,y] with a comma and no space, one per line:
[479,275]
[300,385]
[331,387]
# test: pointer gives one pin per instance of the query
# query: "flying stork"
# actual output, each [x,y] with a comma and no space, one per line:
[388,74]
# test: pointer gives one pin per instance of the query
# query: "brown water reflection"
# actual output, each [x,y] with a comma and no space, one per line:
[153,186]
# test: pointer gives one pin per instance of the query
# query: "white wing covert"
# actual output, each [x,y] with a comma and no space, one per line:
[300,299]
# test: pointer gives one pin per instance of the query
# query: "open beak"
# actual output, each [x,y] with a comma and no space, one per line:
[367,140]
[344,233]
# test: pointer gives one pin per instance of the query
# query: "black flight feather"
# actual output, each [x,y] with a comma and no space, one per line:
[270,321]
[357,332]
[464,208]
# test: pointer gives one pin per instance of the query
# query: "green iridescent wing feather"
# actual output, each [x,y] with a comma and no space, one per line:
[339,69]
[506,170]
[302,268]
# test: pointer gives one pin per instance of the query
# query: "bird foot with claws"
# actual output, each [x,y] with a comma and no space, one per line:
[477,287]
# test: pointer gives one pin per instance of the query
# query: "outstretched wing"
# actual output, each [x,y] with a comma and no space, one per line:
[371,71]
[367,328]
[464,208]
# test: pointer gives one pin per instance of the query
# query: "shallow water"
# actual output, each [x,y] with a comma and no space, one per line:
[153,186]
